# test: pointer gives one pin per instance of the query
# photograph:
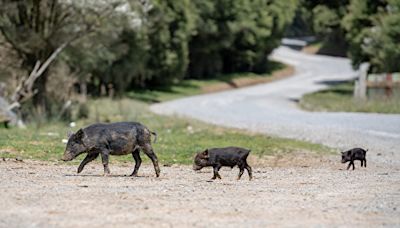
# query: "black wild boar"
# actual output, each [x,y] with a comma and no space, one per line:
[354,154]
[112,139]
[218,157]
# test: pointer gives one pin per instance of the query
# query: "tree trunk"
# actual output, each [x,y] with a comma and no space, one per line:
[40,99]
[83,90]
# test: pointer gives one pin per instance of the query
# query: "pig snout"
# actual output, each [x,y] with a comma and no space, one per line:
[67,157]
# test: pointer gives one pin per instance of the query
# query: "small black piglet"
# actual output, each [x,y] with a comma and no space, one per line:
[354,154]
[218,157]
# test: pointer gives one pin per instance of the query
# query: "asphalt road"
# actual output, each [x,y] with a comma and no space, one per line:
[271,108]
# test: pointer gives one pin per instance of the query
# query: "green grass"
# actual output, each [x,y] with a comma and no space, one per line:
[339,98]
[190,87]
[178,138]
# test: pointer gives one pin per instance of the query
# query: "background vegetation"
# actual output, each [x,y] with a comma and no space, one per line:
[110,47]
[363,30]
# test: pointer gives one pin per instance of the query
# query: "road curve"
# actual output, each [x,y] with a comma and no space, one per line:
[271,108]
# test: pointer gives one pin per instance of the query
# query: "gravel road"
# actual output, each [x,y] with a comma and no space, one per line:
[271,108]
[321,194]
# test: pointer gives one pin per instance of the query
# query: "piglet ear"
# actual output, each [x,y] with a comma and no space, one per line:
[205,153]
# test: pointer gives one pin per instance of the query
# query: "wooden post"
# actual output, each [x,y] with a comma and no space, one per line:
[360,89]
[389,85]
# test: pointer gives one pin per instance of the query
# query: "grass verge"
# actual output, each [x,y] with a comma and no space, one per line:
[192,87]
[339,98]
[178,138]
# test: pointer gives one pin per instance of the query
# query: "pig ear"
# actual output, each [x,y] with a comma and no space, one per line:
[80,134]
[69,134]
[205,153]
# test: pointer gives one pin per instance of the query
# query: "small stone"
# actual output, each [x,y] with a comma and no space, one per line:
[19,159]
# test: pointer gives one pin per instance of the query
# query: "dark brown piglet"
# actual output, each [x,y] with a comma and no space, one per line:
[355,154]
[218,157]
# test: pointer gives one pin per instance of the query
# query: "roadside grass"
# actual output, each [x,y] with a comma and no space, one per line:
[178,138]
[190,87]
[339,98]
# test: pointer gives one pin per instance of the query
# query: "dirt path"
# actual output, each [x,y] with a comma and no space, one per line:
[38,194]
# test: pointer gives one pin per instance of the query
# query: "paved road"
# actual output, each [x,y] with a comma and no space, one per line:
[272,109]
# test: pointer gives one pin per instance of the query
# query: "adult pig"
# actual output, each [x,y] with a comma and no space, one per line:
[227,156]
[112,139]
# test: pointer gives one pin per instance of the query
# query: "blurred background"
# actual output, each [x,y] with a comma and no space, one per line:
[56,54]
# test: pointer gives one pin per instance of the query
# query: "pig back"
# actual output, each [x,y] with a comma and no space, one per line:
[228,156]
[119,138]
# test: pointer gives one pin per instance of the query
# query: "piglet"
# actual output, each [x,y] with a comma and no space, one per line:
[218,157]
[354,154]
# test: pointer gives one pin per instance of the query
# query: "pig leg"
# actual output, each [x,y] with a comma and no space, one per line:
[241,166]
[352,163]
[365,162]
[240,172]
[87,159]
[348,167]
[148,150]
[249,171]
[216,174]
[104,158]
[362,163]
[138,161]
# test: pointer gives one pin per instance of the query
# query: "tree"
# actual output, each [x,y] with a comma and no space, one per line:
[155,48]
[38,30]
[236,35]
[324,18]
[373,33]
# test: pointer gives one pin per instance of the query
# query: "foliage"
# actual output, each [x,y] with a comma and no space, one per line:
[236,36]
[323,18]
[158,50]
[368,29]
[373,31]
[35,30]
[120,45]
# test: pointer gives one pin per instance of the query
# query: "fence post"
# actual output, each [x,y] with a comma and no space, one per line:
[360,88]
